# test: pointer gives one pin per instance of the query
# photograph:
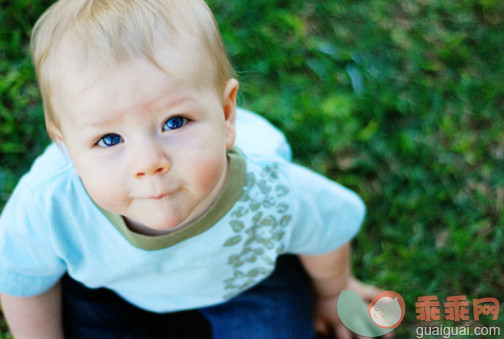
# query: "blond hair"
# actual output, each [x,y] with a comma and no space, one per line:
[112,31]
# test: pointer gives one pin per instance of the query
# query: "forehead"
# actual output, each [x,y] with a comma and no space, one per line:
[183,60]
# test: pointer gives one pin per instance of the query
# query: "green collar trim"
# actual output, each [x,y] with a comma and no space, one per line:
[230,194]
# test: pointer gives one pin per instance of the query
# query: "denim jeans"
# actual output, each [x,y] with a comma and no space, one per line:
[278,307]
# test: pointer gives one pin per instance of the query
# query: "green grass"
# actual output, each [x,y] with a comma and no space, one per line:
[400,100]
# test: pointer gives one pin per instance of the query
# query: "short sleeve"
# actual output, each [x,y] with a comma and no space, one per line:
[28,263]
[328,214]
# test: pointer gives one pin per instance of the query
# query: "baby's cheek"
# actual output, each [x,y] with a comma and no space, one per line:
[209,172]
[106,193]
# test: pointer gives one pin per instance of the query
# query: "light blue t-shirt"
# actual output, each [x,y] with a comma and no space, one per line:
[268,207]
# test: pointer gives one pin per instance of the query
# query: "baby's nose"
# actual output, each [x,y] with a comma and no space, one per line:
[151,162]
[161,169]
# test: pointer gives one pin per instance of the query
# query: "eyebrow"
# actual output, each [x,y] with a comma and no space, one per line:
[156,104]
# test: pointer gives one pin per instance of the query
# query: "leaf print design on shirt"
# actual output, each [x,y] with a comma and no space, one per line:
[258,223]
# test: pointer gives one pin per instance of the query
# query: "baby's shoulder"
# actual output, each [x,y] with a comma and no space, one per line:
[262,163]
[276,168]
[273,171]
[51,184]
[302,182]
[52,170]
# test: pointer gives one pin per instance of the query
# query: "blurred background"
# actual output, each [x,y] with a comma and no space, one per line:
[402,101]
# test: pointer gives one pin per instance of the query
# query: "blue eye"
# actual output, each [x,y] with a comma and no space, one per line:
[174,123]
[110,140]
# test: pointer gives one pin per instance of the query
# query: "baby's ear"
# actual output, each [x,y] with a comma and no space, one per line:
[55,133]
[229,106]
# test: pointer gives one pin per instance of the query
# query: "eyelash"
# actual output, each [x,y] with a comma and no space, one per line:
[181,121]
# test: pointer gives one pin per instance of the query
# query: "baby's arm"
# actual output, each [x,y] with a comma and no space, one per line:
[34,317]
[330,273]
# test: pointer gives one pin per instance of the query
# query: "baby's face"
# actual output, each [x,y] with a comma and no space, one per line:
[147,144]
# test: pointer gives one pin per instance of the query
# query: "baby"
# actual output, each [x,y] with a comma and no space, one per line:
[146,205]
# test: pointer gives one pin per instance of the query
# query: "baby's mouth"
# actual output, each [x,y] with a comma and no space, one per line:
[159,196]
[162,195]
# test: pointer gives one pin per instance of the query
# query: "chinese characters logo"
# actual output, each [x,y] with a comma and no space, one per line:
[456,308]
